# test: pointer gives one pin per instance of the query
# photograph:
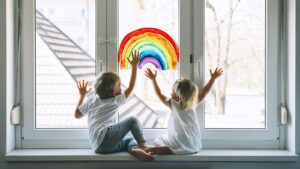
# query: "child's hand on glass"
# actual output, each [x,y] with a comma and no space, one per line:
[135,59]
[82,88]
[150,74]
[217,73]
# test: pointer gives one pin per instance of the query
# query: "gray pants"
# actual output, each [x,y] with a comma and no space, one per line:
[114,140]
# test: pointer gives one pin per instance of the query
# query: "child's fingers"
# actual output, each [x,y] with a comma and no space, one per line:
[139,58]
[148,76]
[148,70]
[210,71]
[79,84]
[216,69]
[89,90]
[129,60]
[220,70]
[134,53]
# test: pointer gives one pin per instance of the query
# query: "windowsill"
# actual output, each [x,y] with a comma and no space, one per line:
[205,155]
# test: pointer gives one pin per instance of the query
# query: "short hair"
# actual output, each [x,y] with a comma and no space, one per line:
[187,92]
[105,84]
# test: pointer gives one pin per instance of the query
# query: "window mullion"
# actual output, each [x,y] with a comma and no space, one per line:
[199,53]
[101,30]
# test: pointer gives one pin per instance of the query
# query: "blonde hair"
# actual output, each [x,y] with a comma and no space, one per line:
[105,84]
[187,92]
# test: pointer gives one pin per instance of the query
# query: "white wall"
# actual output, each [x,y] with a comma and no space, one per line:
[6,97]
[297,103]
[10,38]
[290,73]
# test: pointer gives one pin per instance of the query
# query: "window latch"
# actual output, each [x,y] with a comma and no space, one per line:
[283,115]
[15,115]
[191,58]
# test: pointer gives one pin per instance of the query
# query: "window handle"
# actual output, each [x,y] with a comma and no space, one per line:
[103,40]
[199,66]
[100,68]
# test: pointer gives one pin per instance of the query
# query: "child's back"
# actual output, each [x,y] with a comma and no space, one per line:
[184,135]
[101,114]
[106,133]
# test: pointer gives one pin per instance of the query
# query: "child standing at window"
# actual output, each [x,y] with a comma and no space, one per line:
[106,134]
[183,135]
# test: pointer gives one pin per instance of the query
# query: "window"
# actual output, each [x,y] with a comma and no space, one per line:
[164,16]
[87,39]
[206,15]
[65,54]
[235,40]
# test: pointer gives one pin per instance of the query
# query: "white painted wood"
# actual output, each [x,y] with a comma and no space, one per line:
[271,132]
[28,84]
[112,33]
[106,53]
[205,155]
[100,34]
[185,38]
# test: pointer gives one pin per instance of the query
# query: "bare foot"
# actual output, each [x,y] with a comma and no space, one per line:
[145,147]
[142,155]
[162,150]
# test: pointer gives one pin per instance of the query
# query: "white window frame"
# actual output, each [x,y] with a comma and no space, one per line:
[267,138]
[191,14]
[50,138]
[106,45]
[184,42]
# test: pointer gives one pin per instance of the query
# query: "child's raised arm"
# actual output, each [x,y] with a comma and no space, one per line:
[162,97]
[214,75]
[134,64]
[83,92]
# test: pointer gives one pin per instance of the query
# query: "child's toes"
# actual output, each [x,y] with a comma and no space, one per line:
[142,155]
[151,158]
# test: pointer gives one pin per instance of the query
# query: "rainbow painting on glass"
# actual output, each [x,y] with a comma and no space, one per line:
[155,46]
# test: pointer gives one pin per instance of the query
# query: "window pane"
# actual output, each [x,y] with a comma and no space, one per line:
[235,41]
[133,15]
[65,53]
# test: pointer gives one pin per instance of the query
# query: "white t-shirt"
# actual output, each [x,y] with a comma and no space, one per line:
[102,113]
[184,136]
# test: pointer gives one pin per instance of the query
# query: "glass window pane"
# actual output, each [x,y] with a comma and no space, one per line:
[65,53]
[235,40]
[133,15]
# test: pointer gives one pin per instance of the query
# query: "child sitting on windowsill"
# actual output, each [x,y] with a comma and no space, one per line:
[183,135]
[106,134]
